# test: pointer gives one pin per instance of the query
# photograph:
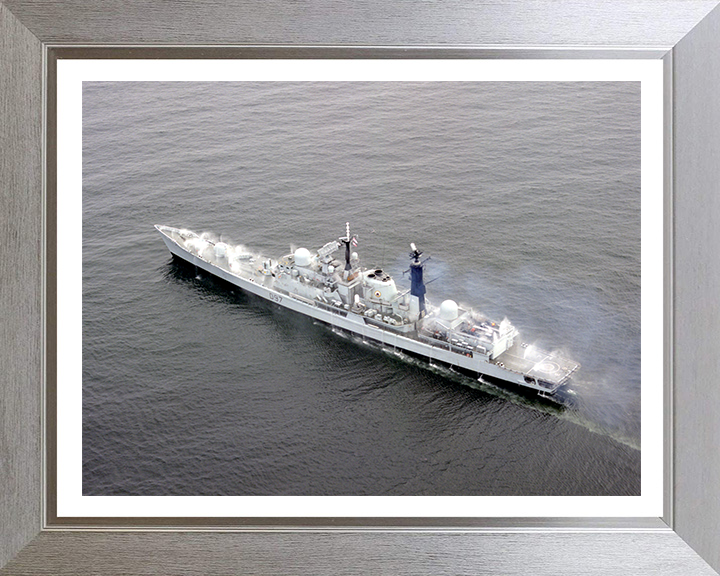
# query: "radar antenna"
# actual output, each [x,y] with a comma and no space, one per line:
[415,252]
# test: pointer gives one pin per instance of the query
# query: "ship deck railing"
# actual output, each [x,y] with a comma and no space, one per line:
[445,345]
[316,303]
[373,321]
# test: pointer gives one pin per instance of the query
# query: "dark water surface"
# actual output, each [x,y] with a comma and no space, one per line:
[525,195]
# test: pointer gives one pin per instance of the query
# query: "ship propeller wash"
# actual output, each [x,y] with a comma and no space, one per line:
[335,289]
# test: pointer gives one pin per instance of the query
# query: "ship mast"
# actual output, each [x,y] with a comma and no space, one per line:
[347,240]
[417,286]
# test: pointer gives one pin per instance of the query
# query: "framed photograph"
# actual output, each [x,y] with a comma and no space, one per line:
[446,142]
[551,186]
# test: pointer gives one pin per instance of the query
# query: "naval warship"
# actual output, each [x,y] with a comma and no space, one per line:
[366,301]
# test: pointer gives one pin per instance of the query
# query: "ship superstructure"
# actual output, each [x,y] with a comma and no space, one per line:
[330,285]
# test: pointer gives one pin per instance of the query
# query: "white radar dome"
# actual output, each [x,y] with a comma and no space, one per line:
[449,310]
[221,249]
[302,257]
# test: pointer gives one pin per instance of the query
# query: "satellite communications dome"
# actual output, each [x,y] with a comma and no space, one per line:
[302,257]
[221,249]
[449,310]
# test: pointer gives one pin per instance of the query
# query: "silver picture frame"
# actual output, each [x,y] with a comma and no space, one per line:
[684,34]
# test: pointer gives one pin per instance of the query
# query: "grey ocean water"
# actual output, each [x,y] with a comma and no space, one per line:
[525,195]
